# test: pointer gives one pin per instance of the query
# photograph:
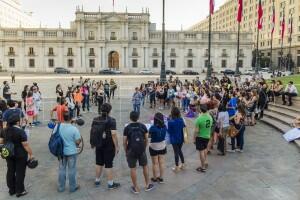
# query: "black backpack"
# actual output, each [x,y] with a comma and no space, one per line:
[137,140]
[98,133]
[7,150]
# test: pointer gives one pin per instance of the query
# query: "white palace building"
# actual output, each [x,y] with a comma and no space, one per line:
[124,41]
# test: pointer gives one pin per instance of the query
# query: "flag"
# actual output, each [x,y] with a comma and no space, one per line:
[291,25]
[273,20]
[211,6]
[240,11]
[282,26]
[260,15]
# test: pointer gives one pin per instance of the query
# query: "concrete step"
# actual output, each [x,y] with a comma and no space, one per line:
[283,111]
[289,108]
[281,127]
[287,120]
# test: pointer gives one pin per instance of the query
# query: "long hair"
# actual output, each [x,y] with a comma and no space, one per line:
[159,120]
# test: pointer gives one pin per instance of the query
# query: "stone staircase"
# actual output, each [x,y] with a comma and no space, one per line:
[281,117]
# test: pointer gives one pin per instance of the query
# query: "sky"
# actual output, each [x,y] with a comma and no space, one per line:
[179,13]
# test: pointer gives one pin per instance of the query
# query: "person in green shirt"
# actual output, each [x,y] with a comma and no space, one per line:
[202,135]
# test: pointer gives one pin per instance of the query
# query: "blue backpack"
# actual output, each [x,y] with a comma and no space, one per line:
[56,144]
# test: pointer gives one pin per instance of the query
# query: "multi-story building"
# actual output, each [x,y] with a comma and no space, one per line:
[224,19]
[124,41]
[12,15]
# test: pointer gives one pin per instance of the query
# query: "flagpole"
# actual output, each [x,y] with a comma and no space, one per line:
[271,52]
[237,70]
[282,36]
[209,67]
[163,76]
[290,40]
[257,54]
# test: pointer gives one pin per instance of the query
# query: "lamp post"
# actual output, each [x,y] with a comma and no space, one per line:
[163,77]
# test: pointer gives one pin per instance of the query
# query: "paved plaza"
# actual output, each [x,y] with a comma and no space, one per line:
[267,170]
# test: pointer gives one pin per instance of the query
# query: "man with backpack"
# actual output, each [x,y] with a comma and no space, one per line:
[105,141]
[70,137]
[135,141]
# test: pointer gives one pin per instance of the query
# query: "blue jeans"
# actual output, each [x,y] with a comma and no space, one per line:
[136,107]
[240,137]
[71,113]
[185,104]
[69,161]
[86,102]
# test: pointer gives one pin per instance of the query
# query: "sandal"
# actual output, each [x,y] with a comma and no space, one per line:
[200,169]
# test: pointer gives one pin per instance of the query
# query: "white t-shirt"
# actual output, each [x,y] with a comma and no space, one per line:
[223,118]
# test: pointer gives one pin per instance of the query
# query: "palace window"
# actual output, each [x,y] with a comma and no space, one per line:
[70,52]
[224,53]
[298,61]
[91,35]
[31,63]
[11,63]
[50,62]
[11,51]
[241,63]
[51,52]
[155,63]
[224,63]
[190,63]
[173,53]
[134,63]
[206,63]
[134,52]
[70,63]
[173,63]
[31,51]
[134,36]
[190,53]
[92,63]
[154,53]
[113,36]
[92,52]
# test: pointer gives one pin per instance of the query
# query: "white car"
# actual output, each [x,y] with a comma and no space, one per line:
[146,71]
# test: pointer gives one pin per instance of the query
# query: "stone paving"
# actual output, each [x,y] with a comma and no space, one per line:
[267,170]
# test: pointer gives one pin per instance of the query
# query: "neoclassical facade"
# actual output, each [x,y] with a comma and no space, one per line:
[124,41]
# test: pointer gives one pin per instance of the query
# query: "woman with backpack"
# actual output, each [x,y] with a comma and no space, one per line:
[70,104]
[17,157]
[157,147]
[175,130]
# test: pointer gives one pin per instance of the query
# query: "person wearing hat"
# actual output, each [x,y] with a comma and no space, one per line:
[290,91]
[202,135]
[16,164]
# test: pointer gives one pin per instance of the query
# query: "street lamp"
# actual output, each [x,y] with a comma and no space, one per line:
[163,77]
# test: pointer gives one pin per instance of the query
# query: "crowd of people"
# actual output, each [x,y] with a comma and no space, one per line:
[220,109]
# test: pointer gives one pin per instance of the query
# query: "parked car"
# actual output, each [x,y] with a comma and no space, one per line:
[170,72]
[228,72]
[109,71]
[61,70]
[145,71]
[189,72]
[249,72]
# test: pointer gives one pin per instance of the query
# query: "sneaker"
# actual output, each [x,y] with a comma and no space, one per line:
[114,186]
[76,188]
[133,190]
[231,151]
[176,169]
[160,180]
[22,194]
[239,150]
[154,180]
[97,183]
[149,188]
[182,167]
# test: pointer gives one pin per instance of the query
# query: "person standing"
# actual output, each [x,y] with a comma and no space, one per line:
[107,90]
[158,147]
[59,93]
[16,165]
[71,138]
[222,129]
[113,87]
[13,77]
[7,92]
[36,95]
[86,96]
[135,141]
[70,104]
[78,100]
[105,141]
[24,95]
[137,100]
[60,109]
[202,135]
[175,129]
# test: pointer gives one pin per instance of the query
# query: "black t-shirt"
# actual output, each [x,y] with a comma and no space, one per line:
[6,90]
[15,135]
[106,87]
[129,126]
[110,125]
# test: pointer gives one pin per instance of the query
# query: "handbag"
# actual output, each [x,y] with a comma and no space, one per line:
[185,135]
[232,131]
[30,112]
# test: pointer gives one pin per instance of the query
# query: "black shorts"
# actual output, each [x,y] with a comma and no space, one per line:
[201,143]
[132,159]
[105,157]
[157,152]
